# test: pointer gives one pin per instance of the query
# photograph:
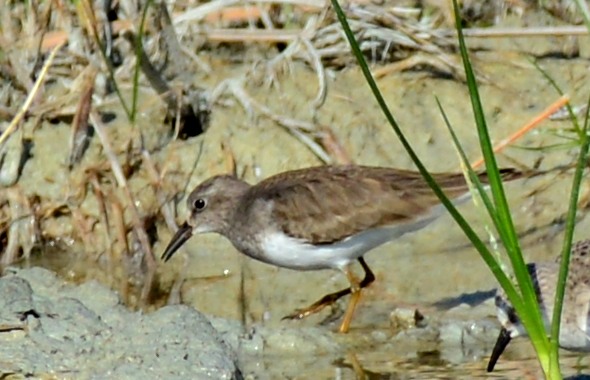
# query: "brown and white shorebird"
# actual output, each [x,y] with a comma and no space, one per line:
[324,217]
[575,317]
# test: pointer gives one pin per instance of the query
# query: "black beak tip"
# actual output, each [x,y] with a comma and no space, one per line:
[184,233]
[166,256]
[501,344]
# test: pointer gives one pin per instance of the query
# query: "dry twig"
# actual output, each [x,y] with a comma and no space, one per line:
[138,225]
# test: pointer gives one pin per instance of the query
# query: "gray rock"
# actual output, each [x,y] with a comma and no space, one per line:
[83,332]
[15,300]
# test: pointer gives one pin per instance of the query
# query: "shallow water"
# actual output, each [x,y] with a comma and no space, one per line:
[453,341]
[519,362]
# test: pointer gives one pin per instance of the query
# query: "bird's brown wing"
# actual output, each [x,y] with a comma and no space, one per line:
[328,203]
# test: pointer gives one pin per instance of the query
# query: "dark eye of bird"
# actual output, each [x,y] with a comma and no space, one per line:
[199,204]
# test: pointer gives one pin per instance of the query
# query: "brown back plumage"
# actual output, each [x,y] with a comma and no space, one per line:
[328,203]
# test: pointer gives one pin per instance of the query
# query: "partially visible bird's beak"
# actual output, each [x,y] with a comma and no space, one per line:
[501,343]
[185,231]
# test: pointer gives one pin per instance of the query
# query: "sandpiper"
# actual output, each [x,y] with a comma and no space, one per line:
[323,217]
[575,322]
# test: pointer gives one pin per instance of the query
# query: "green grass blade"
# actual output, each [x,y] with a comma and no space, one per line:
[570,111]
[490,260]
[583,7]
[138,53]
[569,232]
[465,161]
[530,313]
[507,230]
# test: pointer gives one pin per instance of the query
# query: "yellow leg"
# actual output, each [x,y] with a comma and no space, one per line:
[333,297]
[355,296]
[316,307]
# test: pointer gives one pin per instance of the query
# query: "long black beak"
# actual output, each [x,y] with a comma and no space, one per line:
[501,343]
[180,237]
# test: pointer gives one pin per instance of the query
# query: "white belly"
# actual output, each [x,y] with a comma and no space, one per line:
[288,252]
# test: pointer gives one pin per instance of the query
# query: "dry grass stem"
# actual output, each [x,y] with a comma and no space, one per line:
[229,159]
[304,131]
[80,127]
[138,225]
[333,146]
[122,260]
[31,96]
[536,121]
[102,206]
[156,181]
[539,31]
[21,233]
